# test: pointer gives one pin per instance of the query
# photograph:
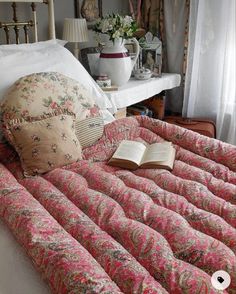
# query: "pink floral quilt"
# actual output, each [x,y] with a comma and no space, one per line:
[92,228]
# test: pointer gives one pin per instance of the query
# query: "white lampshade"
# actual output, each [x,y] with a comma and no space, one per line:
[75,30]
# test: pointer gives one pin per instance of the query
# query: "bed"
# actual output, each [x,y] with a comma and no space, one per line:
[87,227]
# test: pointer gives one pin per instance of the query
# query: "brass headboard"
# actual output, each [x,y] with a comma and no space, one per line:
[17,25]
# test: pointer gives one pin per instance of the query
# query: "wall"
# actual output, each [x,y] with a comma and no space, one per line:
[109,6]
[63,8]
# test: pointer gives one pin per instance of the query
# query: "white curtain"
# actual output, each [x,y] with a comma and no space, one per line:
[210,79]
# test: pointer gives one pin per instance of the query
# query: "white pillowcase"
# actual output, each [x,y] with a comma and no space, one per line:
[33,46]
[107,116]
[16,62]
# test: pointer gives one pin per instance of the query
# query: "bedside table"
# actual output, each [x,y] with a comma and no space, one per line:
[138,90]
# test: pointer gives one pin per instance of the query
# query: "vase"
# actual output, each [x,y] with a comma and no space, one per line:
[116,63]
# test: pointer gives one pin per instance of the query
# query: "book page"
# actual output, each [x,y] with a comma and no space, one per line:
[157,152]
[130,150]
[171,158]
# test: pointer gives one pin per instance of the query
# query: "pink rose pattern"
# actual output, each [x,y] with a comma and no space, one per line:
[40,93]
[92,228]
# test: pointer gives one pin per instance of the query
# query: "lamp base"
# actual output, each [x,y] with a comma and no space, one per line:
[76,51]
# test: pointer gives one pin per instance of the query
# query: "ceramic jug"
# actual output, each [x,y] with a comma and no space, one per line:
[116,63]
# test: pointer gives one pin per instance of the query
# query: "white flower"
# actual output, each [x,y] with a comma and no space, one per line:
[127,20]
[129,33]
[116,35]
[104,25]
[113,21]
[121,31]
[116,26]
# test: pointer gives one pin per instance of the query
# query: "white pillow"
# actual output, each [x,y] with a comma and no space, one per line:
[44,57]
[33,46]
[107,116]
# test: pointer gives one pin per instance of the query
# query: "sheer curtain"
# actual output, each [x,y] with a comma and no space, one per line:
[210,77]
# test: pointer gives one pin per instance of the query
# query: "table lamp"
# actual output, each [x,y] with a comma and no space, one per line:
[75,30]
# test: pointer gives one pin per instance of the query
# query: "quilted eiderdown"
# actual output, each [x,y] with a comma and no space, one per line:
[92,228]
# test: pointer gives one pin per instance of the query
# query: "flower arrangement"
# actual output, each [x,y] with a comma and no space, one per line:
[116,26]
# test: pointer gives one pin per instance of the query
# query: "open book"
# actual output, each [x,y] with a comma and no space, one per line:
[132,154]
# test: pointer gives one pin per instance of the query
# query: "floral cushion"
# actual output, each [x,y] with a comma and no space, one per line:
[42,93]
[46,142]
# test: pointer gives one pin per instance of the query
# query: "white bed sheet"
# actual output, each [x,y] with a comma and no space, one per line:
[17,273]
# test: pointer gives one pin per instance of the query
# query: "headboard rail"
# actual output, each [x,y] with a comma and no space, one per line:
[25,25]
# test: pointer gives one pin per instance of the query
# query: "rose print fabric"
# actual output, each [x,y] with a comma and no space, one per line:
[145,231]
[42,93]
[46,142]
[63,262]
